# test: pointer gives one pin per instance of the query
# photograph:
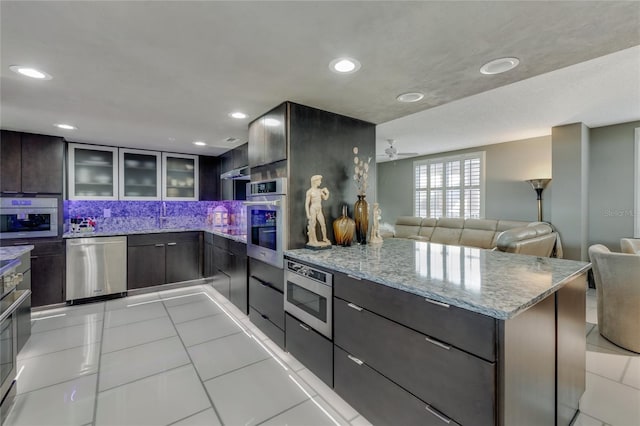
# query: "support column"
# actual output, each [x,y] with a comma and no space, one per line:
[570,174]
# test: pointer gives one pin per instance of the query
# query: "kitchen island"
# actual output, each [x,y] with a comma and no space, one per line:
[426,333]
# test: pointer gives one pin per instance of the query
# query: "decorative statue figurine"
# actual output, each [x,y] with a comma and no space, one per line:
[375,229]
[313,208]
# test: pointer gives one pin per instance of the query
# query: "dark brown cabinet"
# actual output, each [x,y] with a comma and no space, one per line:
[31,163]
[268,137]
[266,299]
[154,259]
[227,263]
[47,272]
[209,170]
[310,347]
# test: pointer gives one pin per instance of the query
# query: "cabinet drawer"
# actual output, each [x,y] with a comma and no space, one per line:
[311,348]
[238,248]
[208,237]
[267,327]
[267,273]
[470,331]
[457,383]
[221,242]
[146,239]
[377,398]
[267,300]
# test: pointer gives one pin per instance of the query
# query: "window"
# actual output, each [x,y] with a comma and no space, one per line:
[450,187]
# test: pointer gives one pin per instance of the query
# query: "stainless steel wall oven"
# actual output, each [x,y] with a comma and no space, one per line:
[266,220]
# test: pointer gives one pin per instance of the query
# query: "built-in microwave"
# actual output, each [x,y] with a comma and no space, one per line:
[28,217]
[266,220]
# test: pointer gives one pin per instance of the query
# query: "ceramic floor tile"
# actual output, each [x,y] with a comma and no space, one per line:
[57,367]
[343,408]
[206,417]
[588,328]
[222,355]
[592,315]
[127,365]
[62,338]
[48,323]
[605,362]
[160,399]
[191,311]
[596,339]
[138,299]
[185,299]
[632,375]
[360,421]
[307,414]
[133,314]
[168,294]
[66,404]
[83,309]
[584,420]
[614,403]
[265,387]
[207,328]
[286,357]
[117,338]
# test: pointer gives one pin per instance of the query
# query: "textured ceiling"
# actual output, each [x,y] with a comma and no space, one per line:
[159,75]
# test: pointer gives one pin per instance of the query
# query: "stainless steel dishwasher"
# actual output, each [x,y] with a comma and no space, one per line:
[96,267]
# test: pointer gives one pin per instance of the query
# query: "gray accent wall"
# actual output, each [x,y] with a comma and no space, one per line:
[611,211]
[507,195]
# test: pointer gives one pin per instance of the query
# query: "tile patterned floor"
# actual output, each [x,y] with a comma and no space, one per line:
[189,357]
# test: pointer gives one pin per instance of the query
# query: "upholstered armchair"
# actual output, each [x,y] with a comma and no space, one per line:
[617,278]
[630,245]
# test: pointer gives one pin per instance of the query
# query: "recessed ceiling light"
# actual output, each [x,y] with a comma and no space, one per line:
[344,65]
[410,97]
[30,72]
[65,126]
[199,143]
[500,65]
[239,115]
[271,122]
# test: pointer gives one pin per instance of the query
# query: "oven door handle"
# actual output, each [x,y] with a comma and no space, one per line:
[262,203]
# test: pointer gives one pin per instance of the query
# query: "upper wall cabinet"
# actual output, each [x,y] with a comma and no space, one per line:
[140,175]
[180,172]
[31,164]
[93,172]
[268,137]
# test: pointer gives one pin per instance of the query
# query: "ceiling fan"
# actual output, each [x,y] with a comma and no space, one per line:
[392,152]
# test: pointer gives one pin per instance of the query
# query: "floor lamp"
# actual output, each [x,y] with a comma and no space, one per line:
[539,185]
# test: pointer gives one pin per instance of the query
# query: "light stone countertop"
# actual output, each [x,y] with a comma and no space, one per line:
[230,233]
[14,252]
[492,283]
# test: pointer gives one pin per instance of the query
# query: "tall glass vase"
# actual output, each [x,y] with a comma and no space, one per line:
[361,217]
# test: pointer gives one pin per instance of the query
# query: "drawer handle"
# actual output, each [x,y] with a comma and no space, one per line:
[356,307]
[438,414]
[304,327]
[33,257]
[435,302]
[264,316]
[439,344]
[354,359]
[171,244]
[159,245]
[9,192]
[354,277]
[21,244]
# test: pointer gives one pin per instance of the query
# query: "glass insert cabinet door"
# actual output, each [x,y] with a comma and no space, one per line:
[93,172]
[140,174]
[180,177]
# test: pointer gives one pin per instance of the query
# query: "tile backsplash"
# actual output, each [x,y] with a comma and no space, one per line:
[115,216]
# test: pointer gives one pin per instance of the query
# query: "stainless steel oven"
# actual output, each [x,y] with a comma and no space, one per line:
[266,220]
[28,217]
[308,296]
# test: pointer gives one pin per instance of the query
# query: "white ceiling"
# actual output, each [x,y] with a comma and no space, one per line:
[160,75]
